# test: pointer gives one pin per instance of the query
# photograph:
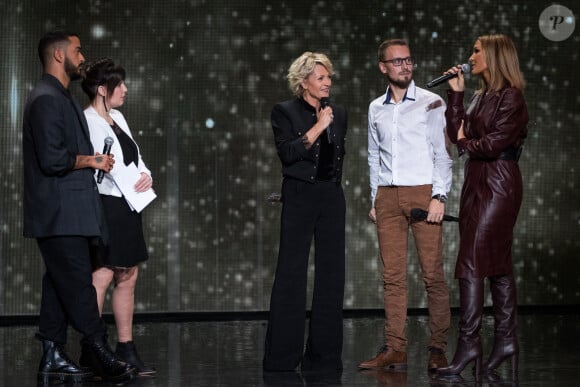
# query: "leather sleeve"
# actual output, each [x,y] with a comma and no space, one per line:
[454,114]
[505,126]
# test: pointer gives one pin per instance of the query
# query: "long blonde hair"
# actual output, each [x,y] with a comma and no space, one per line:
[302,67]
[502,61]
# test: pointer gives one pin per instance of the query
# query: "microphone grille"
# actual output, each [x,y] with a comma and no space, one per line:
[466,68]
[109,140]
[324,102]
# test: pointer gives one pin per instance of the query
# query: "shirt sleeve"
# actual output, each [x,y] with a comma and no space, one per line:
[373,156]
[442,161]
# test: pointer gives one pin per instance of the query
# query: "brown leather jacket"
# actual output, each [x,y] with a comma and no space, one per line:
[495,128]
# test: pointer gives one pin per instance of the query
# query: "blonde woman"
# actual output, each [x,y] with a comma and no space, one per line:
[309,134]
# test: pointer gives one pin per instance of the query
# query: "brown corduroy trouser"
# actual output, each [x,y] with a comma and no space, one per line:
[393,208]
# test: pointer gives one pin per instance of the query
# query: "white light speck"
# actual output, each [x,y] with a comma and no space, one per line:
[98,31]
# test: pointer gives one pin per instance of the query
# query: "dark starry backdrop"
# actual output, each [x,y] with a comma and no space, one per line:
[202,78]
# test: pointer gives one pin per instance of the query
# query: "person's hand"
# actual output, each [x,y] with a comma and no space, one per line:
[144,183]
[456,83]
[103,162]
[325,116]
[435,211]
[373,215]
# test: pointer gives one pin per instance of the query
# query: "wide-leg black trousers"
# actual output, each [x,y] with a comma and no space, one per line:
[309,210]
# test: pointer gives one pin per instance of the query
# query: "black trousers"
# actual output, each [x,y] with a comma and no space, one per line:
[309,210]
[68,295]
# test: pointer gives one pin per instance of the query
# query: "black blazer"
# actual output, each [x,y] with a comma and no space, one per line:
[58,200]
[290,120]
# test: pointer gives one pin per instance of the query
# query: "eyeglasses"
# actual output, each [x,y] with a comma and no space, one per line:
[399,61]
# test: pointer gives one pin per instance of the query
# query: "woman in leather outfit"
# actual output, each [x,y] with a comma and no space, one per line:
[490,133]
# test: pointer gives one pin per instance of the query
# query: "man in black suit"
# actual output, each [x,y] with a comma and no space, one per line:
[62,210]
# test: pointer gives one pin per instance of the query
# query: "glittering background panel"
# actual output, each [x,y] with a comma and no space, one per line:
[203,77]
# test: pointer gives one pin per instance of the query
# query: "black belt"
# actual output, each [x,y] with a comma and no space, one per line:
[510,153]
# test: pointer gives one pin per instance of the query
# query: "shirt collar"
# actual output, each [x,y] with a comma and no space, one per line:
[409,94]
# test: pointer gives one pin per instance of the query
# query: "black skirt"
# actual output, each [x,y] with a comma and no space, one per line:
[126,247]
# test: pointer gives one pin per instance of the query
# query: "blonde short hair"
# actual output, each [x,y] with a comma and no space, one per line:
[502,61]
[302,67]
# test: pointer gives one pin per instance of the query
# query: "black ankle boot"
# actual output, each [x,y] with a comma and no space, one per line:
[127,352]
[56,367]
[98,356]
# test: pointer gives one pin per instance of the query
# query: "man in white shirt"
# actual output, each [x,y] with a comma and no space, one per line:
[410,167]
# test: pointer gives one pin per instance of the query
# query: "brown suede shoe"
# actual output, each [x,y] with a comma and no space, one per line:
[437,359]
[386,358]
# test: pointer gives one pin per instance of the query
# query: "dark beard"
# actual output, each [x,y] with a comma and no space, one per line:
[400,84]
[72,71]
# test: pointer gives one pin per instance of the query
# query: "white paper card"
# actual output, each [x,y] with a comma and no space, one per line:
[125,178]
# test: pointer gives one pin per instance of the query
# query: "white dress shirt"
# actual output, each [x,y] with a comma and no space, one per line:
[407,142]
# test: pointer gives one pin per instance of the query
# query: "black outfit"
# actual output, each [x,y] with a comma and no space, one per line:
[62,209]
[313,204]
[126,247]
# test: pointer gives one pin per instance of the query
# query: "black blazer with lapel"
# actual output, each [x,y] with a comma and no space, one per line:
[58,200]
[290,120]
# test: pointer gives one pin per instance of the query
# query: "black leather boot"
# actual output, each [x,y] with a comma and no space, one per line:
[503,294]
[127,352]
[98,356]
[56,367]
[470,315]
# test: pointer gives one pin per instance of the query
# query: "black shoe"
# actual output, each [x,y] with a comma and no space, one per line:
[127,352]
[56,367]
[98,356]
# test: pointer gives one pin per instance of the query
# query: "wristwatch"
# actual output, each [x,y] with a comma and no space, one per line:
[441,198]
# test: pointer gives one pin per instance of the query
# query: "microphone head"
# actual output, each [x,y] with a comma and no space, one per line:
[466,68]
[109,141]
[324,102]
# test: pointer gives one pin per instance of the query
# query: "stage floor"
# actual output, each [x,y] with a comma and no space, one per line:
[229,353]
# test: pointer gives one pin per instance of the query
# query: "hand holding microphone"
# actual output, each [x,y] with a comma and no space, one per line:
[106,151]
[418,214]
[453,72]
[324,103]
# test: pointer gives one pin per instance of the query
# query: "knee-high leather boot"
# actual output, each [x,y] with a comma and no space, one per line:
[470,315]
[503,293]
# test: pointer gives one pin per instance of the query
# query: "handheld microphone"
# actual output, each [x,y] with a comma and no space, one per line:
[324,102]
[418,214]
[465,68]
[106,151]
